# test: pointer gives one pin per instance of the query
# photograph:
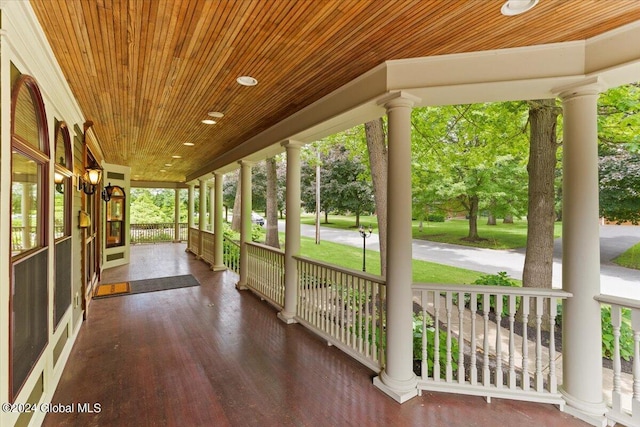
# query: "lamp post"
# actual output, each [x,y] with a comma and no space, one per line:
[364,233]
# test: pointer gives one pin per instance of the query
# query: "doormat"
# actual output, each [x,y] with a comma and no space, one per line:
[146,285]
[112,289]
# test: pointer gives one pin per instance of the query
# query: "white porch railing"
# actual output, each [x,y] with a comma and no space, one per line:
[207,247]
[193,242]
[490,360]
[346,307]
[231,255]
[623,390]
[265,274]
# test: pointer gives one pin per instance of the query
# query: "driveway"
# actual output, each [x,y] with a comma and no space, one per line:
[614,240]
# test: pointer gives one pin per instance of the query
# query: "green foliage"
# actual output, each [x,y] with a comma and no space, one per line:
[630,258]
[442,340]
[620,185]
[435,218]
[626,334]
[500,279]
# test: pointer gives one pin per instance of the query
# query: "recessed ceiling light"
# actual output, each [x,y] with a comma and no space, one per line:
[516,7]
[209,122]
[216,114]
[168,165]
[189,144]
[176,157]
[162,170]
[247,81]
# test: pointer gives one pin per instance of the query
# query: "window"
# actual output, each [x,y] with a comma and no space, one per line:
[29,300]
[115,218]
[62,183]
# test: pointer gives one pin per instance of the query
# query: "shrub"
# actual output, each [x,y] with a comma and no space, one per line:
[626,334]
[500,279]
[435,218]
[431,333]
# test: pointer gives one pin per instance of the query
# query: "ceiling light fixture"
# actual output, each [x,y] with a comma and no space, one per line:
[176,157]
[189,144]
[516,7]
[247,81]
[216,114]
[168,165]
[209,122]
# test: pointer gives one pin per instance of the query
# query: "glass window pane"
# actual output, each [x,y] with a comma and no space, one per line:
[61,154]
[26,123]
[25,204]
[59,204]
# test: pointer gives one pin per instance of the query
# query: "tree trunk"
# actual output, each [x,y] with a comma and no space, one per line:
[474,201]
[376,145]
[491,220]
[538,262]
[508,219]
[235,221]
[272,238]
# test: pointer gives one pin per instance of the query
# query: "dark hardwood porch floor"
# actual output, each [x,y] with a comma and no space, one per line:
[213,356]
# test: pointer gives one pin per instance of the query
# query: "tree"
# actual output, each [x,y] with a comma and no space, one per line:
[377,148]
[272,238]
[543,147]
[620,185]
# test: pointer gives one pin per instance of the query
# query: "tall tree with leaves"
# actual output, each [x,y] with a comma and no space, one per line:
[543,147]
[272,238]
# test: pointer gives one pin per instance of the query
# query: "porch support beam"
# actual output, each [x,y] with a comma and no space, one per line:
[245,221]
[202,214]
[212,195]
[191,205]
[176,215]
[581,319]
[292,232]
[218,236]
[398,380]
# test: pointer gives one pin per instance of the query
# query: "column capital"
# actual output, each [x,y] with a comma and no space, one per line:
[590,86]
[291,144]
[398,99]
[248,163]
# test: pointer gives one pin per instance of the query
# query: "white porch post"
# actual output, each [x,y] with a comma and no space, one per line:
[398,379]
[191,205]
[245,221]
[202,214]
[212,195]
[218,237]
[176,215]
[292,232]
[582,332]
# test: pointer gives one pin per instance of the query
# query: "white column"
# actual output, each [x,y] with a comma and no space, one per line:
[292,232]
[581,319]
[218,237]
[245,221]
[212,222]
[176,215]
[202,216]
[398,379]
[191,205]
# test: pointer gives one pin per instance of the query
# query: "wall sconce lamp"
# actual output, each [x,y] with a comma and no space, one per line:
[90,180]
[107,192]
[58,179]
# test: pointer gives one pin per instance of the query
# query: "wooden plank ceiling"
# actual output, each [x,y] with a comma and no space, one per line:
[146,72]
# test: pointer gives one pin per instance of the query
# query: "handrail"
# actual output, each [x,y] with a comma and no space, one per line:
[265,275]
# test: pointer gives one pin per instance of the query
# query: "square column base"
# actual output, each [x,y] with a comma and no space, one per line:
[399,397]
[286,318]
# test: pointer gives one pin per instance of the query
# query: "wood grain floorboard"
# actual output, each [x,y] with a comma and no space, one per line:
[210,355]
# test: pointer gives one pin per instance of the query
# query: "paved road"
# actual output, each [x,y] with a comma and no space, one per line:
[614,240]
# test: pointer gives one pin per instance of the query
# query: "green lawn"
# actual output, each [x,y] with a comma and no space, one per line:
[500,236]
[631,258]
[351,257]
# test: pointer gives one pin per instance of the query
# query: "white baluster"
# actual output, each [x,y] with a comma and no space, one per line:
[616,321]
[538,376]
[635,402]
[512,342]
[461,378]
[486,373]
[474,308]
[436,336]
[498,312]
[525,343]
[424,364]
[553,311]
[448,308]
